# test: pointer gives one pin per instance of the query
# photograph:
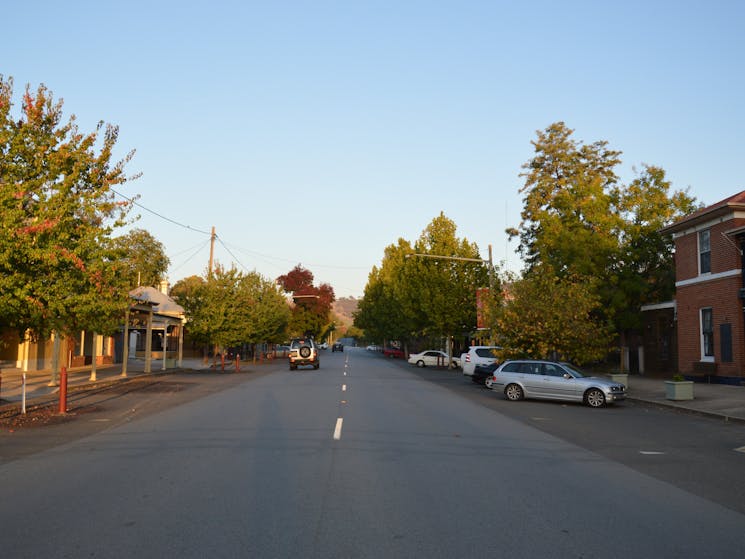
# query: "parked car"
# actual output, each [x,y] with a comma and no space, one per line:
[338,346]
[431,358]
[394,352]
[373,347]
[303,351]
[324,345]
[477,355]
[483,373]
[530,378]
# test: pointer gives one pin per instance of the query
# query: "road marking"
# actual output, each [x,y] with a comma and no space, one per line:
[345,373]
[337,429]
[99,420]
[741,449]
[650,452]
[343,387]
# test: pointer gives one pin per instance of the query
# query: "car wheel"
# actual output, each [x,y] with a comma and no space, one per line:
[420,363]
[595,398]
[513,392]
[316,366]
[293,368]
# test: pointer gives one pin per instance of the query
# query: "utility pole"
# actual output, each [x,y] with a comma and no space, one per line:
[212,251]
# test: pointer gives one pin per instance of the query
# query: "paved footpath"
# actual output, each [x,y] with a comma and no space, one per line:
[39,388]
[722,401]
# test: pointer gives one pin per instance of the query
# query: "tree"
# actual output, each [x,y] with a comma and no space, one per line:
[548,316]
[424,289]
[568,218]
[440,289]
[643,271]
[143,257]
[580,221]
[59,269]
[312,304]
[230,308]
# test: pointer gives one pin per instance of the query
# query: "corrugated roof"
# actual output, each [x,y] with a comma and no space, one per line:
[163,303]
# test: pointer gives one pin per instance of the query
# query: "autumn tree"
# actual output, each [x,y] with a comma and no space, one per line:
[312,304]
[59,269]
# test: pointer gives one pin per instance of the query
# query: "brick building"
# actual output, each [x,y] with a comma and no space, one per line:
[709,285]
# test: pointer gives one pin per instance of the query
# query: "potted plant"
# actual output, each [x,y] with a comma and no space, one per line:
[679,388]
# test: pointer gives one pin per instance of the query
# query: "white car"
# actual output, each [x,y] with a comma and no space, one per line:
[477,355]
[431,358]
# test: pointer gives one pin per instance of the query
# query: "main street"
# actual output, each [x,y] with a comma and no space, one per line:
[370,458]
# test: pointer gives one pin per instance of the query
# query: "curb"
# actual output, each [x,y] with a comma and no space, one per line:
[703,413]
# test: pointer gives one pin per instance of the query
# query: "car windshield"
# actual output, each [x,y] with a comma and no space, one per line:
[574,371]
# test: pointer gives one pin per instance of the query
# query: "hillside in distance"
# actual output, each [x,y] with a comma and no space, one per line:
[344,309]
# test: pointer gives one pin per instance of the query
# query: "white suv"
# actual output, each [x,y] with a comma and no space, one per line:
[477,355]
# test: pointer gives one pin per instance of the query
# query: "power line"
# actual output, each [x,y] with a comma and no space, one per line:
[133,201]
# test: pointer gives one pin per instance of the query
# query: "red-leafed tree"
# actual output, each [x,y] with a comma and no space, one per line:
[312,311]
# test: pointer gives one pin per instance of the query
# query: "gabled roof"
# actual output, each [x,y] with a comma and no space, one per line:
[162,303]
[721,208]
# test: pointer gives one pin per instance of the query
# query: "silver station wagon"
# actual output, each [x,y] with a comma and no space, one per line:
[529,378]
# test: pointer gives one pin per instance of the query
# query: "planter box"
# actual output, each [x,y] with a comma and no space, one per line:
[623,378]
[679,390]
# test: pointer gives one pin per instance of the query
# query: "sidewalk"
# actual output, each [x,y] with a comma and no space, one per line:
[722,401]
[38,382]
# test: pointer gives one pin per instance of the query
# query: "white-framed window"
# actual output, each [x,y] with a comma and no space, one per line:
[707,334]
[704,251]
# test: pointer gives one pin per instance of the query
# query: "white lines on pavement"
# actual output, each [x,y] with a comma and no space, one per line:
[741,449]
[343,387]
[650,452]
[337,429]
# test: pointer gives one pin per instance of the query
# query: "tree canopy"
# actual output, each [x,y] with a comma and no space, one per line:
[424,289]
[582,221]
[143,258]
[58,266]
[311,313]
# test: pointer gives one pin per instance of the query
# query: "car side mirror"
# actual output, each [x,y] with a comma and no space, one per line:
[567,376]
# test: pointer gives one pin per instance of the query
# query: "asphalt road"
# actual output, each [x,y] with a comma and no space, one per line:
[362,458]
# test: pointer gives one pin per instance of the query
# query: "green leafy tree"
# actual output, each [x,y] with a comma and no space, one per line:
[569,219]
[143,257]
[59,269]
[440,289]
[581,221]
[643,270]
[548,316]
[230,308]
[428,289]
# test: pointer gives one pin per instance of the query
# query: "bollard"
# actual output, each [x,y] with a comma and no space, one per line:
[237,363]
[23,394]
[63,390]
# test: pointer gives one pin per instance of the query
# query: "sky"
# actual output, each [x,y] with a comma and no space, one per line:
[320,132]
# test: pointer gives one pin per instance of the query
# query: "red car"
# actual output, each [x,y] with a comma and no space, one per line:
[394,352]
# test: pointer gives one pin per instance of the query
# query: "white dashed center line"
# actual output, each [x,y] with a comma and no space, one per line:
[343,387]
[337,430]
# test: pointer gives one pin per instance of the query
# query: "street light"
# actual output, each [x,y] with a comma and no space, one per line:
[462,259]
